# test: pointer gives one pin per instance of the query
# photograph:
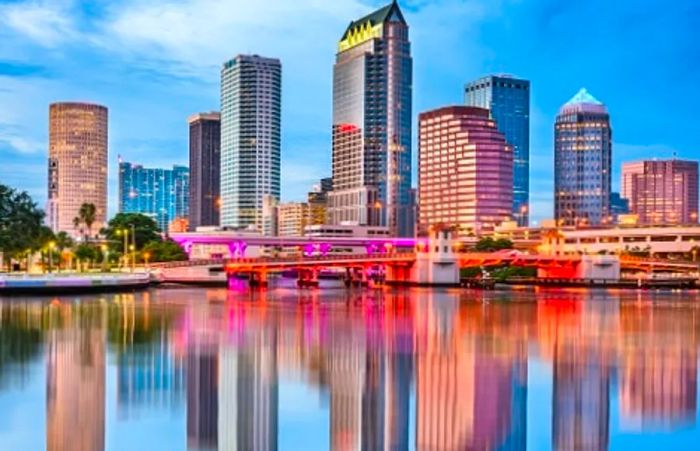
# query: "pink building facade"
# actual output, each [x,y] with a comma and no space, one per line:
[465,170]
[662,191]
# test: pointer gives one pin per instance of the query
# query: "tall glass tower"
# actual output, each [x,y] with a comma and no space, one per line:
[508,99]
[162,194]
[251,96]
[582,162]
[372,90]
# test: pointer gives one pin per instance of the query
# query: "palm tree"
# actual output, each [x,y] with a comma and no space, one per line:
[87,214]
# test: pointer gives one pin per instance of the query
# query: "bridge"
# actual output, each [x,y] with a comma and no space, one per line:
[425,261]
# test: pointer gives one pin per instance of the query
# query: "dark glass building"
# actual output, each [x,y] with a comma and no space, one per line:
[618,206]
[162,194]
[582,162]
[205,163]
[372,92]
[508,99]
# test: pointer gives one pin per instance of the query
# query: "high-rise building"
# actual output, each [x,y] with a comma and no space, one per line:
[582,162]
[77,164]
[662,191]
[465,170]
[508,99]
[251,95]
[205,163]
[372,95]
[162,194]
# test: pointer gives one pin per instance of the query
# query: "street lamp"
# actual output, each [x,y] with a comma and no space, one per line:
[125,233]
[52,245]
[132,248]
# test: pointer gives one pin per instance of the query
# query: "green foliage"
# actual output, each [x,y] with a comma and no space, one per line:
[87,253]
[163,251]
[86,215]
[146,230]
[20,222]
[500,273]
[488,244]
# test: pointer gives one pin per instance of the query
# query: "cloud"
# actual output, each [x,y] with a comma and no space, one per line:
[48,23]
[21,144]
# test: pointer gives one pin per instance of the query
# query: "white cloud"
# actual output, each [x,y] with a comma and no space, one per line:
[48,23]
[21,144]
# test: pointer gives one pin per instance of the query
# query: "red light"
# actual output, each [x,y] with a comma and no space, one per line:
[347,128]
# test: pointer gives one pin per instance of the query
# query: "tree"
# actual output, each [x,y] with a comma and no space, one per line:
[87,214]
[86,253]
[20,223]
[145,228]
[488,244]
[163,251]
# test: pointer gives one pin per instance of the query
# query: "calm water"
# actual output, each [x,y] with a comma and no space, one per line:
[415,369]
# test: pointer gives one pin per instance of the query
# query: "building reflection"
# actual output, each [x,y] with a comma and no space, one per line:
[658,369]
[75,384]
[470,388]
[425,369]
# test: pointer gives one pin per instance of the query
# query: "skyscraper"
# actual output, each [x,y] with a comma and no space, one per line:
[662,191]
[582,162]
[205,164]
[77,164]
[465,170]
[508,99]
[251,94]
[372,86]
[162,194]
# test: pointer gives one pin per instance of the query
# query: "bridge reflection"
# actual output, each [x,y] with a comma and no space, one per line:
[403,369]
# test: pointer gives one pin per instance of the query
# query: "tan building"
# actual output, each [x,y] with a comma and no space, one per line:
[292,217]
[77,164]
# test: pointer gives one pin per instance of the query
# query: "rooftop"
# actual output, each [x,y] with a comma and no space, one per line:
[379,16]
[583,102]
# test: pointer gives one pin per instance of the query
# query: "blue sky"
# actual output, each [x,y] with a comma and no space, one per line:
[154,62]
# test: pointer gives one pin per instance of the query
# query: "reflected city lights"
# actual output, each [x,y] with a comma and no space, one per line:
[398,370]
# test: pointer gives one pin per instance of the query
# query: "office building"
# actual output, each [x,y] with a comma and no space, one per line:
[205,164]
[618,206]
[582,162]
[292,217]
[372,91]
[162,194]
[465,170]
[662,191]
[508,99]
[317,199]
[251,94]
[77,164]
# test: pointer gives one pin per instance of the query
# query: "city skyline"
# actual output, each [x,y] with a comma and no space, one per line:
[306,110]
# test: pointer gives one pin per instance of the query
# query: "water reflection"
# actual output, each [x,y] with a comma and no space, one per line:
[396,370]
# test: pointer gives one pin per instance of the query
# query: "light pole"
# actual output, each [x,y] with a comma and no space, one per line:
[52,245]
[125,261]
[133,246]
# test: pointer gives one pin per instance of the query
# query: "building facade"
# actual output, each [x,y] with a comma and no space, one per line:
[582,162]
[619,206]
[77,172]
[465,170]
[162,194]
[251,95]
[292,217]
[205,174]
[372,96]
[508,99]
[662,191]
